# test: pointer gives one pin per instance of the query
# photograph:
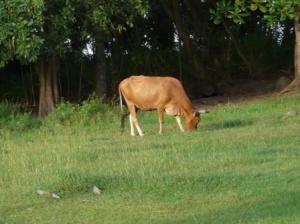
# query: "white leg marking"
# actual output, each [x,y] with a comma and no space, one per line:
[179,123]
[160,128]
[138,128]
[131,126]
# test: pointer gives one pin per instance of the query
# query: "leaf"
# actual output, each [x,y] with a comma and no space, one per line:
[253,7]
[262,8]
[217,21]
[211,11]
[238,2]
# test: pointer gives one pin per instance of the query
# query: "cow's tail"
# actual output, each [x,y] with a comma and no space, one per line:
[123,114]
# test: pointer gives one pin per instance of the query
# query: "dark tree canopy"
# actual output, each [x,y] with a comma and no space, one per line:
[77,47]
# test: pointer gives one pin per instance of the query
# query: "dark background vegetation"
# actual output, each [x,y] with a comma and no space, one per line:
[190,47]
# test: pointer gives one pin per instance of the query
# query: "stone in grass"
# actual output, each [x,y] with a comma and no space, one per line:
[290,113]
[96,190]
[49,194]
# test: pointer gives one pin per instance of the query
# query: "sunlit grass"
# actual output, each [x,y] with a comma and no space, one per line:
[242,166]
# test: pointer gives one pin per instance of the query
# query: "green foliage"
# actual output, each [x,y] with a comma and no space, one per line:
[227,9]
[13,120]
[273,11]
[64,114]
[32,29]
[59,18]
[149,61]
[103,13]
[20,24]
[280,10]
[91,111]
[94,111]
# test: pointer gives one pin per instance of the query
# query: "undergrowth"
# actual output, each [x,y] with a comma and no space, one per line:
[90,112]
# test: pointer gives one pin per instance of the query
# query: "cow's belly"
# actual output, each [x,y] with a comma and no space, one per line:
[146,107]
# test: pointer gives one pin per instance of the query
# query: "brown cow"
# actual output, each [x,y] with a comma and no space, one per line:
[165,94]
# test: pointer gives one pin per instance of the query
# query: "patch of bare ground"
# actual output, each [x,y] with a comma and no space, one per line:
[239,91]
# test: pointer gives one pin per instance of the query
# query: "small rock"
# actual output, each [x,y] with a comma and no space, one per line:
[54,195]
[41,192]
[96,190]
[290,113]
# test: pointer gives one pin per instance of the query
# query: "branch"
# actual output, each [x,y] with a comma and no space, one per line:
[237,47]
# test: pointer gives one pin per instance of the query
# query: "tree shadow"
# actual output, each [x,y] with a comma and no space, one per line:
[281,208]
[233,123]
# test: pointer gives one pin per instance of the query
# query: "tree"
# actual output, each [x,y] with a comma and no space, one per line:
[19,24]
[41,31]
[37,32]
[99,21]
[174,11]
[273,11]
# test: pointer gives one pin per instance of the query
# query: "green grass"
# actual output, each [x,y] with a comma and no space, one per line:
[242,166]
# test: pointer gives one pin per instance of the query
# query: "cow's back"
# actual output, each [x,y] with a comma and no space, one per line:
[152,92]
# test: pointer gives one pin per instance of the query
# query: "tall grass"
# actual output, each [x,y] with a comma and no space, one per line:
[242,166]
[12,119]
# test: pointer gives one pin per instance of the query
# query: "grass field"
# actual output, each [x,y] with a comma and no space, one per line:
[242,166]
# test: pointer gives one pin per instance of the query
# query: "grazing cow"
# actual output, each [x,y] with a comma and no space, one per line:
[164,94]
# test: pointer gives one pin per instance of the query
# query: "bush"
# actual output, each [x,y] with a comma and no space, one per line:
[90,112]
[94,111]
[63,114]
[12,119]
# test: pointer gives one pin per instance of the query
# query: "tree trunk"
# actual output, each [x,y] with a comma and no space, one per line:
[33,97]
[173,10]
[24,82]
[80,81]
[238,48]
[100,68]
[47,69]
[294,86]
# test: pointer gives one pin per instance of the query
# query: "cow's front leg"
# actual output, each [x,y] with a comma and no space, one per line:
[160,113]
[138,127]
[179,123]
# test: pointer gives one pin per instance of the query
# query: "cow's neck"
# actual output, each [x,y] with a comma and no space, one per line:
[187,110]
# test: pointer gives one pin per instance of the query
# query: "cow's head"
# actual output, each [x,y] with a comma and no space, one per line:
[191,122]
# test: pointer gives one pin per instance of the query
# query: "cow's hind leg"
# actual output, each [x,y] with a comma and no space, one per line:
[160,113]
[132,132]
[134,120]
[179,123]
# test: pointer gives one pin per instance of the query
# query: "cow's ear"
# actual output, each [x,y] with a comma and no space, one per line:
[196,114]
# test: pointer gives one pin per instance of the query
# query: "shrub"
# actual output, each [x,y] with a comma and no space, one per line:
[12,119]
[90,112]
[94,111]
[63,114]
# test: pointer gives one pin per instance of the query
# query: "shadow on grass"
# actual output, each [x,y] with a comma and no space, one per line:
[81,182]
[281,208]
[234,123]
